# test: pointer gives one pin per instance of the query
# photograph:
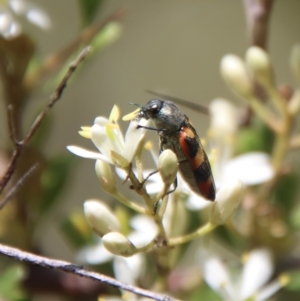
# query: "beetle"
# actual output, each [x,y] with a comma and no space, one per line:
[176,133]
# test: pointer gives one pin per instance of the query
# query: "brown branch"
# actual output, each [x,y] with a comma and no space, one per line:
[19,146]
[257,15]
[78,270]
[10,194]
[295,142]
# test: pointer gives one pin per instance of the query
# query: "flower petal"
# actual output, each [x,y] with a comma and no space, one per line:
[227,200]
[38,17]
[102,141]
[6,20]
[102,121]
[224,119]
[133,137]
[136,263]
[18,6]
[216,275]
[257,271]
[252,168]
[122,271]
[196,203]
[94,254]
[143,223]
[271,289]
[84,153]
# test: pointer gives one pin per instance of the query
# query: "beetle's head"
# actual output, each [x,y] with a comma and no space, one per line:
[149,111]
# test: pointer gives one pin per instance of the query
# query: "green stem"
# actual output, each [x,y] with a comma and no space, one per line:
[278,101]
[265,114]
[130,204]
[138,160]
[146,248]
[139,188]
[163,206]
[198,233]
[280,148]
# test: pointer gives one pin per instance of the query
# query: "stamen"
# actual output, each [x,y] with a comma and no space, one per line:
[114,114]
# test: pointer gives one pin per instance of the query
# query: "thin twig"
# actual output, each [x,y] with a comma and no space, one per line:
[11,128]
[17,186]
[19,146]
[57,93]
[78,270]
[257,15]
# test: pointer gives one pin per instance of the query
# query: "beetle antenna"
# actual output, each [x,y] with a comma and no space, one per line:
[186,103]
[135,104]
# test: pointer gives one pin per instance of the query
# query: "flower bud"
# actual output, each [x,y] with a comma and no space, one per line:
[260,66]
[168,166]
[224,118]
[100,217]
[294,103]
[108,35]
[235,74]
[105,176]
[227,200]
[118,244]
[295,61]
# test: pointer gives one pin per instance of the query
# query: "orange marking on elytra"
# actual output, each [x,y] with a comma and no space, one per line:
[182,142]
[205,188]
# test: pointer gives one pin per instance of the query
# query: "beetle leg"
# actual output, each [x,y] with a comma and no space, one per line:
[150,128]
[149,175]
[174,185]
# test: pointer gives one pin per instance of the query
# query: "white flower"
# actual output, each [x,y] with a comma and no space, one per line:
[107,137]
[251,168]
[126,269]
[221,135]
[227,200]
[250,282]
[224,119]
[154,185]
[10,12]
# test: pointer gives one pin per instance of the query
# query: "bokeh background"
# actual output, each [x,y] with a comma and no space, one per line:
[171,46]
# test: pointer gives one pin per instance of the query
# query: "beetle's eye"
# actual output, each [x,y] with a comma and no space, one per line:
[154,109]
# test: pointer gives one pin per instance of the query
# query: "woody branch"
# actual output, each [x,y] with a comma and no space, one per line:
[20,145]
[78,270]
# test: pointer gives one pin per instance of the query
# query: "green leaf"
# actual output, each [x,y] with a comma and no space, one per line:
[10,288]
[204,293]
[54,179]
[257,137]
[294,281]
[286,190]
[89,9]
[295,217]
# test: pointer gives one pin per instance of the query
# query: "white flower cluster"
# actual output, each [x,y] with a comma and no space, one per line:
[157,226]
[11,12]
